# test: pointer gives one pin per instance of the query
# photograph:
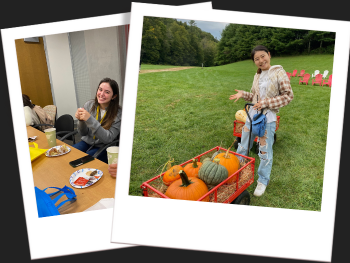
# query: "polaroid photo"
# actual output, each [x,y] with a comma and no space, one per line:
[65,46]
[177,115]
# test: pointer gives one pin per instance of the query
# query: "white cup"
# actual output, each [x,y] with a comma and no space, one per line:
[112,154]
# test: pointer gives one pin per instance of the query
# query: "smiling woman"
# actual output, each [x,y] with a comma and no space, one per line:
[99,120]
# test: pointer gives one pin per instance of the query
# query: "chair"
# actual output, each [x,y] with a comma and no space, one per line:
[302,72]
[51,110]
[329,82]
[305,79]
[294,73]
[289,75]
[318,79]
[64,126]
[315,73]
[325,73]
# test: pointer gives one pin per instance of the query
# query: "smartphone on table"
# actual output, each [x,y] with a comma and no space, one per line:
[82,160]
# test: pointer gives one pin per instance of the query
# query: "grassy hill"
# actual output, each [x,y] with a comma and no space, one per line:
[185,113]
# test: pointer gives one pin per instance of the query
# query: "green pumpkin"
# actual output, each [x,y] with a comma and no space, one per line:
[212,173]
[206,160]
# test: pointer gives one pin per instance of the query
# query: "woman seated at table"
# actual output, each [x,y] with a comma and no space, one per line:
[30,115]
[99,120]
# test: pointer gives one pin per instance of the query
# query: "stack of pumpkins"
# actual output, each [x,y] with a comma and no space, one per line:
[191,181]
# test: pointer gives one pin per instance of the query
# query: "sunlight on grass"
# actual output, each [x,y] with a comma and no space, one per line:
[185,113]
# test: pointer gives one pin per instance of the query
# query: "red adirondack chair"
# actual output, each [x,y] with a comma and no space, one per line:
[305,79]
[302,72]
[329,82]
[294,73]
[289,75]
[318,79]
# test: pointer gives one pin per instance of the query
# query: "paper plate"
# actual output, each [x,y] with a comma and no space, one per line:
[82,173]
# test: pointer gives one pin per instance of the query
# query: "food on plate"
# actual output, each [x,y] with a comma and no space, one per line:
[93,173]
[58,150]
[81,181]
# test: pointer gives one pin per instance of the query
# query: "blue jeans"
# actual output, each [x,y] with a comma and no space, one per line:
[83,146]
[265,146]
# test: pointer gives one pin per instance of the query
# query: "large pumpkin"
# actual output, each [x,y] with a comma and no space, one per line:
[230,162]
[187,189]
[191,169]
[172,174]
[212,173]
[241,115]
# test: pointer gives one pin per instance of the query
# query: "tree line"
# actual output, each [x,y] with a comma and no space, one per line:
[171,42]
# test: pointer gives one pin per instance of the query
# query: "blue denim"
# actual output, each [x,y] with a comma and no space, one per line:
[264,170]
[83,146]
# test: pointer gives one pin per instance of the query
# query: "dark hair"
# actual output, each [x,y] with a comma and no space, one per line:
[27,101]
[258,48]
[113,106]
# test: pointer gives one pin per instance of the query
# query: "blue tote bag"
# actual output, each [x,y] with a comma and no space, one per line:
[47,206]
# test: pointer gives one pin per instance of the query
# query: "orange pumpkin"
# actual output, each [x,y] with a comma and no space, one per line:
[191,169]
[172,174]
[187,189]
[230,162]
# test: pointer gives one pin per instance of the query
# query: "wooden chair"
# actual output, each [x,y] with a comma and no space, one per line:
[325,73]
[302,72]
[294,74]
[305,79]
[289,75]
[318,79]
[315,73]
[329,82]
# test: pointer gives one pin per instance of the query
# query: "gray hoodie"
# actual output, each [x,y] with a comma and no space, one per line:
[90,128]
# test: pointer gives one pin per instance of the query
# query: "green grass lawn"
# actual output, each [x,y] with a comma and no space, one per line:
[148,66]
[185,113]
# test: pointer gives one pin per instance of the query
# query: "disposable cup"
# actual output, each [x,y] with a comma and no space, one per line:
[51,136]
[112,154]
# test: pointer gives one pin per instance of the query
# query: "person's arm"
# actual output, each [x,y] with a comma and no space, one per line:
[28,116]
[285,94]
[112,169]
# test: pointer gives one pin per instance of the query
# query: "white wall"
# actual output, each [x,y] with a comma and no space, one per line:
[61,73]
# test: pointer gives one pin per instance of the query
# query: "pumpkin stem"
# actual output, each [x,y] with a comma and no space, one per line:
[194,163]
[226,154]
[217,160]
[185,181]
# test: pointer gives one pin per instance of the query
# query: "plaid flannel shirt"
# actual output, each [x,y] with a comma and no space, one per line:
[279,91]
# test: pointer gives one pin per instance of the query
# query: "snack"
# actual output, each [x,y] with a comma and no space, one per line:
[58,150]
[81,181]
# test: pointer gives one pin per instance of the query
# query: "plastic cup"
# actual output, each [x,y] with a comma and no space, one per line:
[51,136]
[112,154]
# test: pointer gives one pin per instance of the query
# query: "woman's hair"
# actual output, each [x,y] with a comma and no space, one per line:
[113,106]
[258,48]
[27,101]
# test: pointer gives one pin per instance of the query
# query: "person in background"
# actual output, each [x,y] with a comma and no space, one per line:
[30,115]
[271,90]
[99,120]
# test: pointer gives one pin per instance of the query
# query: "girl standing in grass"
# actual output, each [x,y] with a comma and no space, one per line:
[100,119]
[271,90]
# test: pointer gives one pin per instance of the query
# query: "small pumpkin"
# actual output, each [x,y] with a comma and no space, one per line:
[212,173]
[172,174]
[241,115]
[191,169]
[187,189]
[230,162]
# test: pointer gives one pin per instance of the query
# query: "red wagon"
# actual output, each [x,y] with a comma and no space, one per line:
[234,193]
[237,132]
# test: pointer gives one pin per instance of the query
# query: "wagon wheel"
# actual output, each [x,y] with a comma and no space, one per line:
[274,138]
[242,199]
[257,148]
[235,143]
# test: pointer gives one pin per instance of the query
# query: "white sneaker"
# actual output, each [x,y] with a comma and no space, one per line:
[260,189]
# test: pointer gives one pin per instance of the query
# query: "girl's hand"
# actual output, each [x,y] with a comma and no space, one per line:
[77,115]
[236,96]
[84,115]
[257,106]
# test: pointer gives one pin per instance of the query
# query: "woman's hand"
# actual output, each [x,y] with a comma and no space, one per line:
[77,115]
[112,169]
[257,106]
[236,96]
[84,115]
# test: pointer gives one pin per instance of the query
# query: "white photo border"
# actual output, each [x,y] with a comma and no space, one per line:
[295,234]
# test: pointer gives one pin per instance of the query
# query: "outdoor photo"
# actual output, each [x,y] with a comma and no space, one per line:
[239,117]
[72,88]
